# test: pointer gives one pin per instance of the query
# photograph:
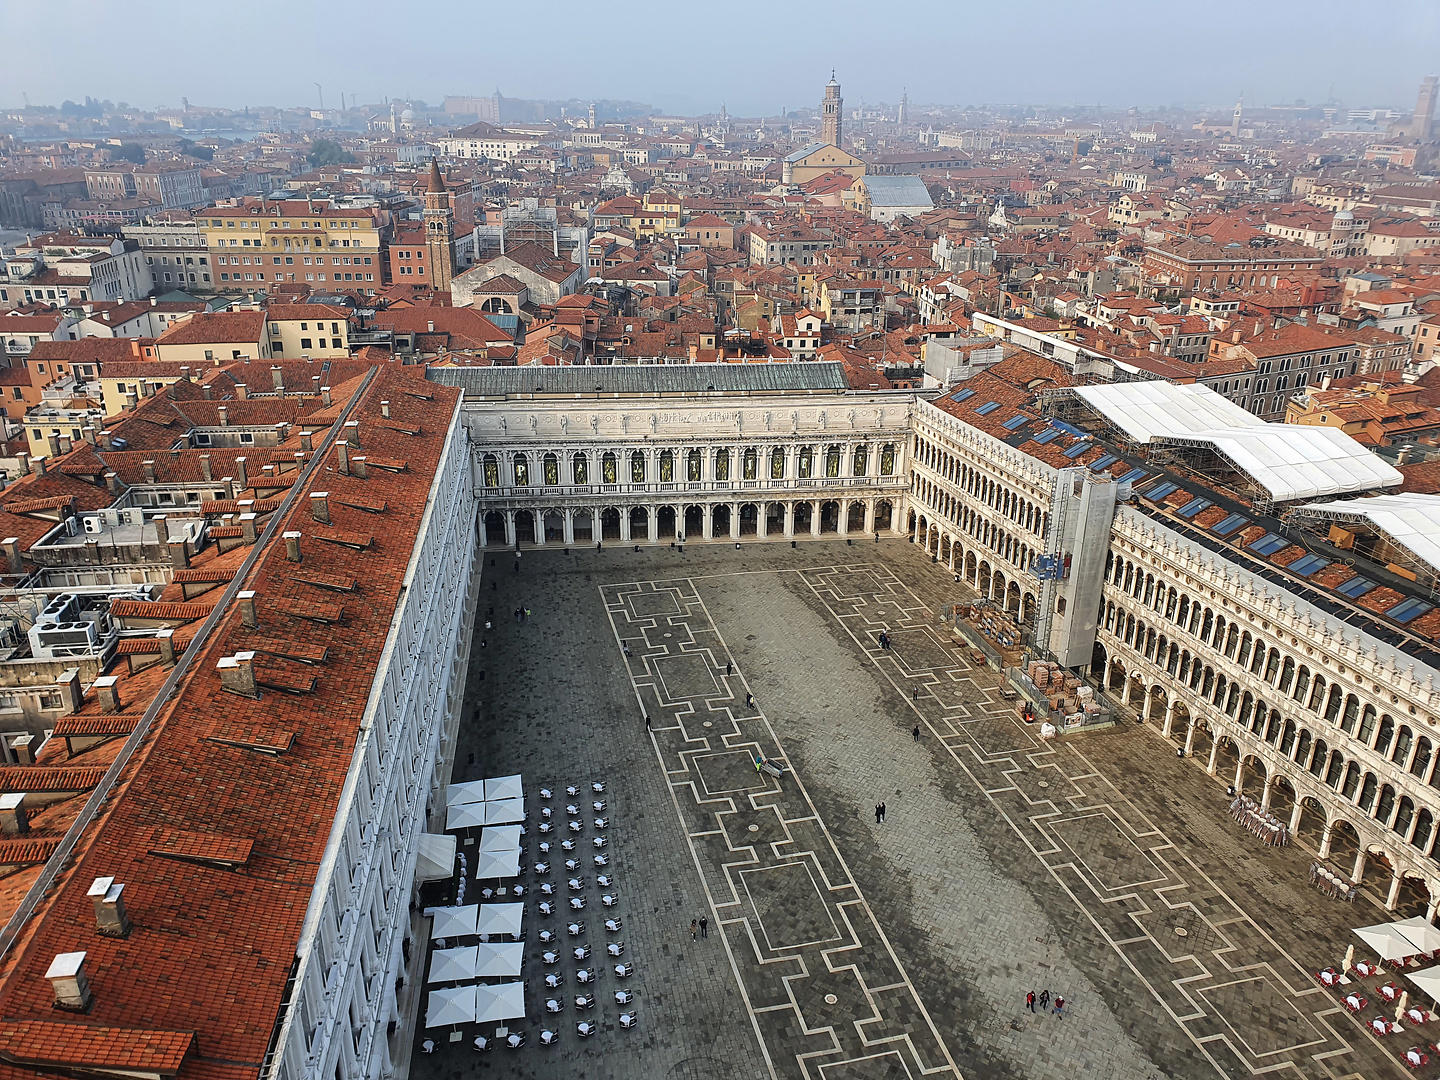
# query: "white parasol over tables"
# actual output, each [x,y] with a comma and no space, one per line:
[473,791]
[453,921]
[1425,935]
[503,1002]
[465,816]
[497,864]
[499,959]
[500,919]
[504,811]
[451,1005]
[500,838]
[1387,940]
[504,787]
[452,965]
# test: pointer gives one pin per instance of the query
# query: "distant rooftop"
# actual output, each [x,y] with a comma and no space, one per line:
[810,376]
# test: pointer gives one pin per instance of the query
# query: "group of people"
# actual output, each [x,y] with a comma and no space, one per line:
[699,928]
[1043,1001]
[884,641]
[879,813]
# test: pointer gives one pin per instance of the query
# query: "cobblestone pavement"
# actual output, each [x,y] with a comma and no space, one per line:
[1099,867]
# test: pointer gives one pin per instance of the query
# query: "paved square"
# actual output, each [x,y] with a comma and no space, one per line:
[1099,867]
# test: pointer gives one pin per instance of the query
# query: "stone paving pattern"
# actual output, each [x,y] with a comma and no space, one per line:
[1004,865]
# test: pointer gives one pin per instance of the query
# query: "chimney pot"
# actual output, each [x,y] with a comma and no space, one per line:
[105,439]
[247,609]
[107,690]
[242,392]
[292,546]
[352,433]
[430,327]
[229,482]
[65,444]
[237,674]
[71,690]
[13,562]
[205,467]
[277,376]
[180,554]
[385,409]
[325,396]
[130,402]
[88,433]
[14,821]
[52,444]
[110,919]
[342,454]
[320,506]
[357,466]
[72,989]
[24,460]
[307,440]
[224,416]
[40,466]
[149,467]
[242,474]
[166,637]
[247,527]
[184,372]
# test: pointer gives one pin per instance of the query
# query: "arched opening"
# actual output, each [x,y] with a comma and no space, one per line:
[494,529]
[720,520]
[1115,677]
[1179,722]
[884,512]
[970,567]
[554,526]
[665,522]
[639,523]
[608,469]
[1344,846]
[497,305]
[667,467]
[550,469]
[1027,609]
[584,526]
[775,519]
[579,469]
[1311,827]
[1253,776]
[1282,799]
[524,527]
[610,523]
[490,468]
[1157,705]
[1413,898]
[693,465]
[637,467]
[855,518]
[829,517]
[694,521]
[749,518]
[984,580]
[1227,757]
[803,513]
[1012,598]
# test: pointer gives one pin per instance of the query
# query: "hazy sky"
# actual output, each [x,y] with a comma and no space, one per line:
[755,56]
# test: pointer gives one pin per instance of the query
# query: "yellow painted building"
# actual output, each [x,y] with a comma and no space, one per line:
[256,245]
[215,337]
[314,330]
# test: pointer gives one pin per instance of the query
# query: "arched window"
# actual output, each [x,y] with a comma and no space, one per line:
[552,470]
[1352,780]
[1387,732]
[1317,760]
[1302,748]
[1424,826]
[1367,792]
[1403,742]
[579,469]
[777,464]
[862,460]
[1422,758]
[522,470]
[667,467]
[1352,711]
[692,465]
[1287,675]
[1386,803]
[722,464]
[492,471]
[751,467]
[1403,817]
[807,462]
[607,469]
[832,461]
[637,467]
[1367,724]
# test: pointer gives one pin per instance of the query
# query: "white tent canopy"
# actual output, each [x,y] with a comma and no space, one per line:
[1412,521]
[497,864]
[450,1006]
[500,838]
[1427,980]
[503,811]
[1153,410]
[1425,935]
[436,858]
[500,919]
[453,921]
[474,791]
[503,1002]
[452,965]
[465,816]
[499,959]
[1386,940]
[504,787]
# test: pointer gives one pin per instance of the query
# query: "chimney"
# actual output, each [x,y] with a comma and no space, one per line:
[205,467]
[71,690]
[385,409]
[237,674]
[112,484]
[14,821]
[166,637]
[106,691]
[149,467]
[147,388]
[314,384]
[65,444]
[52,444]
[88,433]
[242,392]
[72,989]
[130,402]
[292,546]
[1403,458]
[154,300]
[247,609]
[357,466]
[224,416]
[229,482]
[205,391]
[242,473]
[24,460]
[24,749]
[247,527]
[352,433]
[325,396]
[307,440]
[184,372]
[1235,337]
[110,919]
[105,439]
[320,506]
[342,453]
[13,563]
[277,376]
[180,554]
[40,466]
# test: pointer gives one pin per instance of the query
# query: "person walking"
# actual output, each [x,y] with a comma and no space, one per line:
[915,694]
[882,812]
[694,930]
[1059,1005]
[1044,1000]
[916,733]
[704,926]
[647,721]
[877,813]
[527,613]
[749,700]
[1030,1001]
[729,668]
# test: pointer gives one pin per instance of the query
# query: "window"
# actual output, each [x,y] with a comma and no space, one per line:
[637,467]
[777,464]
[1310,564]
[552,469]
[492,471]
[522,470]
[1015,423]
[667,467]
[1193,507]
[963,394]
[1408,610]
[987,408]
[1047,435]
[1268,544]
[693,465]
[1102,462]
[1078,449]
[807,460]
[607,469]
[579,469]
[860,460]
[832,461]
[722,464]
[1355,587]
[1229,524]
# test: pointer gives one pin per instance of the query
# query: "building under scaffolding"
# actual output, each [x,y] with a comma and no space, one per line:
[528,222]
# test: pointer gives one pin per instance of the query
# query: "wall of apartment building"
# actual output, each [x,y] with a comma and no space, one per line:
[350,954]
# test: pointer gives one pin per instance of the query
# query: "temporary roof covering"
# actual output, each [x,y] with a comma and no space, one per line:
[436,858]
[1427,980]
[644,379]
[1386,940]
[1290,461]
[500,811]
[468,815]
[504,787]
[500,919]
[500,838]
[897,191]
[499,958]
[503,1002]
[474,791]
[1412,521]
[453,921]
[1425,935]
[452,965]
[497,864]
[450,1006]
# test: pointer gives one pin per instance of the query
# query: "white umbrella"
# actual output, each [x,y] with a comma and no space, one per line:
[500,838]
[1427,980]
[453,921]
[474,791]
[497,864]
[500,958]
[503,1002]
[504,787]
[465,816]
[1387,941]
[450,1006]
[1424,935]
[435,859]
[503,811]
[500,919]
[452,965]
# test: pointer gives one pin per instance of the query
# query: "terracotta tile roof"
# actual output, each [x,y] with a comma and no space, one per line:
[27,851]
[144,609]
[49,1044]
[48,778]
[30,506]
[202,847]
[216,327]
[103,724]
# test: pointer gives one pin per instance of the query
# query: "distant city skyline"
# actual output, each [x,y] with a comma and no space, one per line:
[1117,55]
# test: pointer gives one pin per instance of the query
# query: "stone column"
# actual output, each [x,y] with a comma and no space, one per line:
[569,526]
[1240,769]
[842,526]
[734,521]
[1169,712]
[1358,871]
[1430,909]
[624,524]
[1214,752]
[538,516]
[510,528]
[789,520]
[815,519]
[1265,794]
[1190,738]
[1394,895]
[1295,814]
[707,530]
[1324,849]
[869,516]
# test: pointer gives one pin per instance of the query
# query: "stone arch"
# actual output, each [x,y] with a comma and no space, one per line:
[494,529]
[830,518]
[639,523]
[855,517]
[694,521]
[524,527]
[582,526]
[1310,825]
[720,520]
[1179,721]
[666,519]
[803,513]
[1012,598]
[970,567]
[884,513]
[554,524]
[1282,797]
[610,523]
[749,519]
[1157,703]
[1253,774]
[1344,845]
[1027,608]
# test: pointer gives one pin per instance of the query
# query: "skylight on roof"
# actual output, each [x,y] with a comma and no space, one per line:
[1047,435]
[1229,524]
[963,394]
[1268,544]
[1355,588]
[1076,450]
[1408,610]
[1161,490]
[987,408]
[1310,564]
[1133,476]
[1100,463]
[1015,423]
[1193,507]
